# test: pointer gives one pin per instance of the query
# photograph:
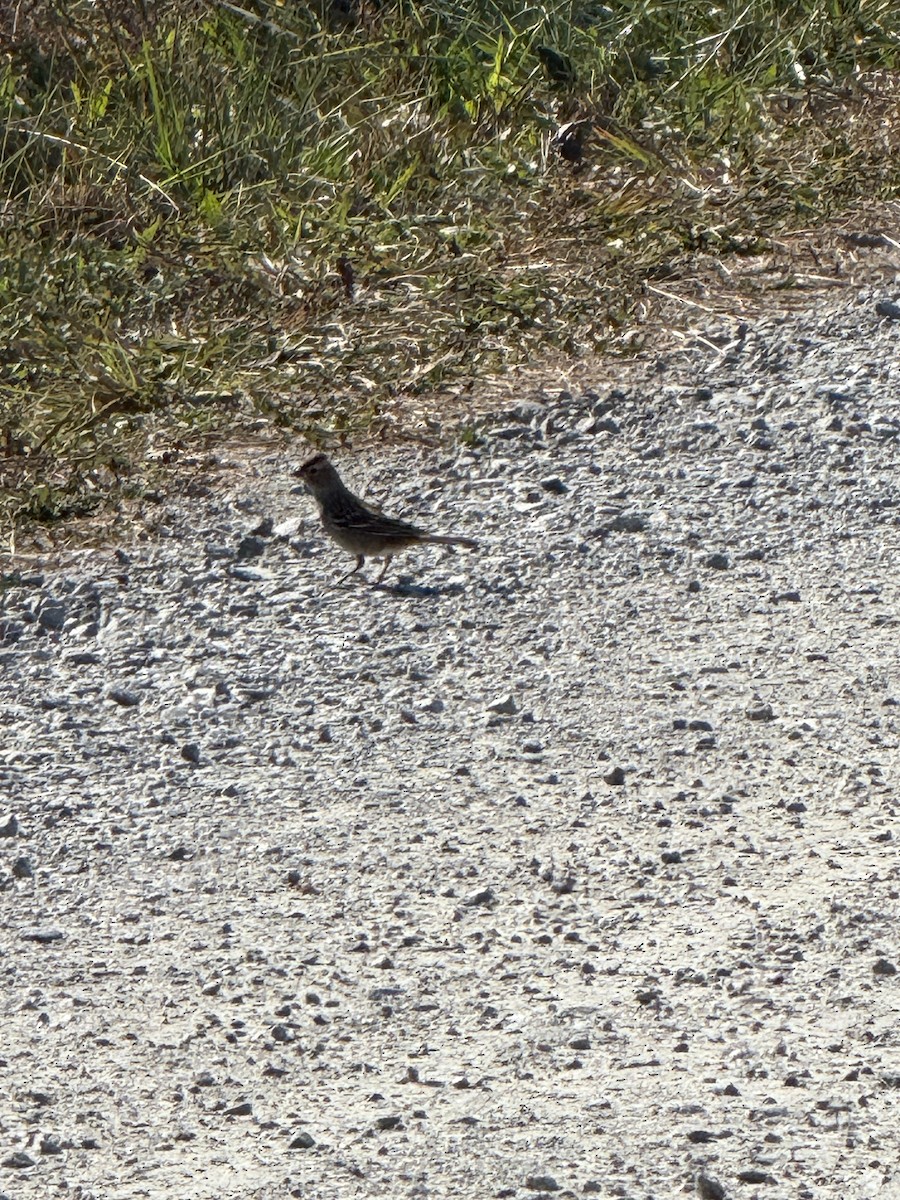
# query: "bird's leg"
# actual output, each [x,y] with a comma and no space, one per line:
[387,563]
[360,559]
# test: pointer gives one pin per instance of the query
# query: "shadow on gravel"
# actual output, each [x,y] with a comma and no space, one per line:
[418,591]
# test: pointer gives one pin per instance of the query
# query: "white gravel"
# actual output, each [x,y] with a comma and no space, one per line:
[570,864]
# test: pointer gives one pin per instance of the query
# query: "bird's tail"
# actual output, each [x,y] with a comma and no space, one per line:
[441,539]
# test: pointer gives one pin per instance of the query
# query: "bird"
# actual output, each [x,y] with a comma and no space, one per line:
[359,528]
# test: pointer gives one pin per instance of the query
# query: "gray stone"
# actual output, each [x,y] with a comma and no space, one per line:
[717,561]
[250,547]
[19,1161]
[627,522]
[22,869]
[52,615]
[555,485]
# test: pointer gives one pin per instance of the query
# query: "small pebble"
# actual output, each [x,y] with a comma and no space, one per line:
[19,1161]
[250,547]
[755,1176]
[43,936]
[717,561]
[52,615]
[709,1189]
[627,522]
[22,869]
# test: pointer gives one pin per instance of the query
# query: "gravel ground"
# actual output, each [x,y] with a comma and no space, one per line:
[568,865]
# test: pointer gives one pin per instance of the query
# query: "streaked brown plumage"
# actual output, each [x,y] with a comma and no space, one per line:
[356,526]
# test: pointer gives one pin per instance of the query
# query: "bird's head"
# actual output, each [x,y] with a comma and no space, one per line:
[318,473]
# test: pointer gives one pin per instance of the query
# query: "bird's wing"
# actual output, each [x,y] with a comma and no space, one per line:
[391,527]
[368,520]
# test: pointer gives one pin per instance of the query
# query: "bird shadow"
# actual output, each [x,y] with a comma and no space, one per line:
[418,591]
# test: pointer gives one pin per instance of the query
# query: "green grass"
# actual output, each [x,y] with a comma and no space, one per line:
[183,179]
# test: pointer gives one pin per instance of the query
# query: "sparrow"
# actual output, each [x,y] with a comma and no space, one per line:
[359,528]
